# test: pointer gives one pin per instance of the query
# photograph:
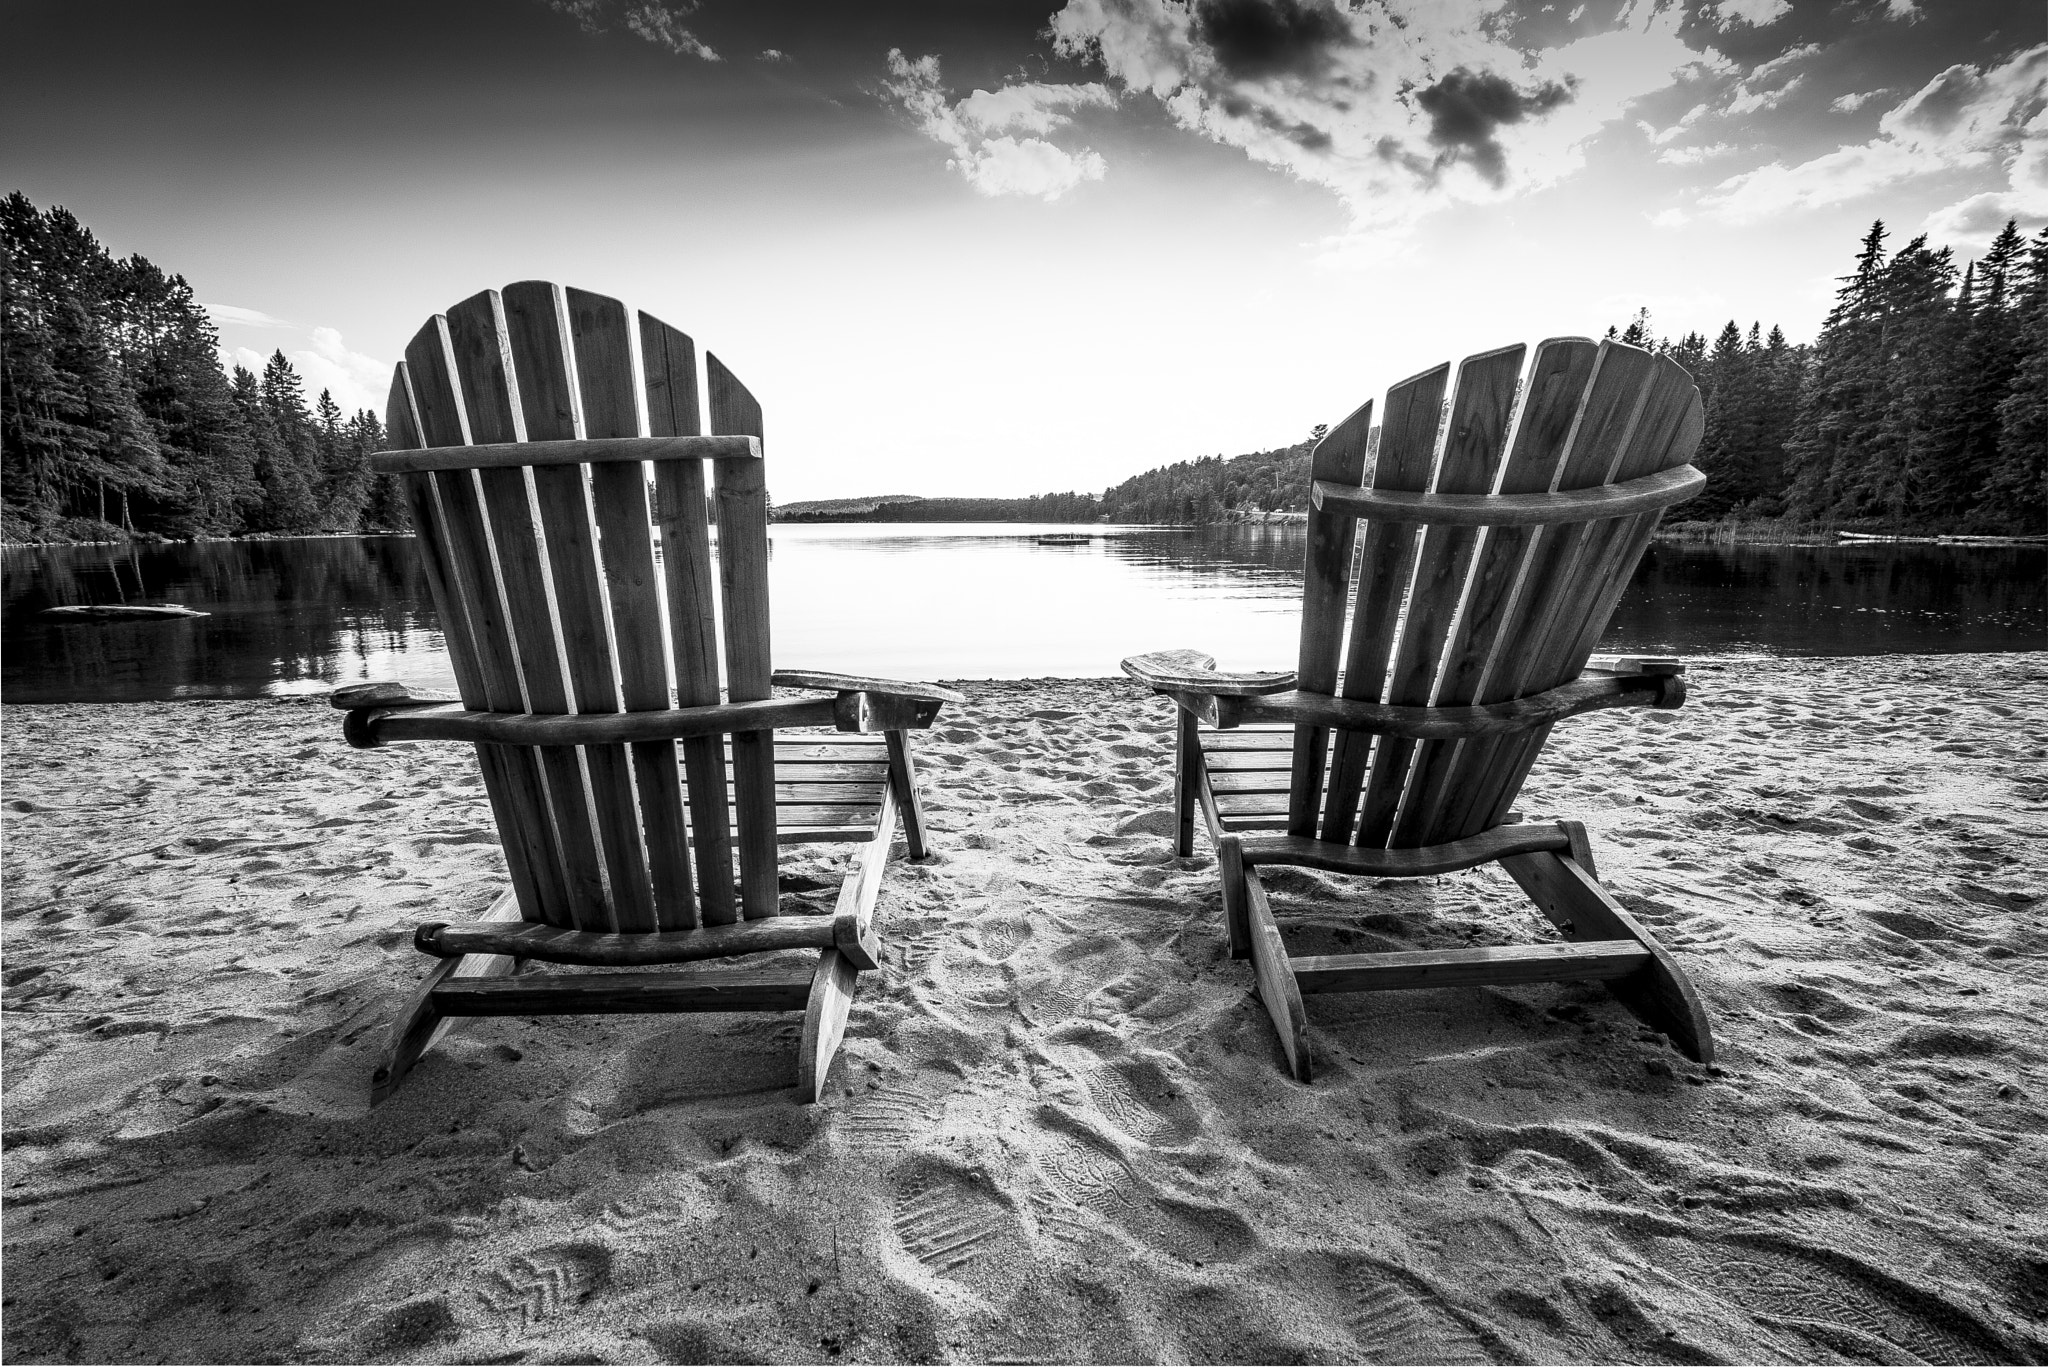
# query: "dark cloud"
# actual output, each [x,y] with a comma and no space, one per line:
[1300,132]
[1253,39]
[1466,107]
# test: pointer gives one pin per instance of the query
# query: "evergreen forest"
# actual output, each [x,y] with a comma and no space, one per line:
[118,421]
[1921,407]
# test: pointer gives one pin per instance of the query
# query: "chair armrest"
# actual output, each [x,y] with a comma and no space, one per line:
[1196,673]
[844,683]
[382,724]
[873,705]
[1636,665]
[385,693]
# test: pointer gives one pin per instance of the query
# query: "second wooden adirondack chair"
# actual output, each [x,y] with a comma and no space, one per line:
[581,618]
[1489,561]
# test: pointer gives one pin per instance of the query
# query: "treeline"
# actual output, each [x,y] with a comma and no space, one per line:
[1067,507]
[1208,489]
[117,420]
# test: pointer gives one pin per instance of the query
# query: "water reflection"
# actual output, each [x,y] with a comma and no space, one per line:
[952,601]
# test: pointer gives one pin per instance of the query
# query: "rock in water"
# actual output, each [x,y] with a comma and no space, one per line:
[94,612]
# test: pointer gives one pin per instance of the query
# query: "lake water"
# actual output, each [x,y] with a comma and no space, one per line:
[953,601]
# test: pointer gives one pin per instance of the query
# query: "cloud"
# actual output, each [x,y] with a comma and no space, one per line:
[1693,156]
[1855,100]
[356,381]
[246,318]
[1965,117]
[657,23]
[1467,108]
[1755,13]
[979,129]
[774,55]
[1399,107]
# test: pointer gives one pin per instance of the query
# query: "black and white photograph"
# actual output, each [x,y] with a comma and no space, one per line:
[1024,681]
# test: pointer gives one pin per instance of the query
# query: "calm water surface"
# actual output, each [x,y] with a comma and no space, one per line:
[950,601]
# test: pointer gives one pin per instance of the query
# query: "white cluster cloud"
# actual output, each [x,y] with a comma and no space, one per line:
[1398,106]
[1755,13]
[325,363]
[1967,116]
[981,129]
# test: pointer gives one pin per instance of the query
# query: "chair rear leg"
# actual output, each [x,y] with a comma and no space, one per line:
[824,1022]
[419,1025]
[1659,994]
[1277,988]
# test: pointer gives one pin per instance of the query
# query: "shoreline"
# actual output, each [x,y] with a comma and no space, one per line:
[1059,1129]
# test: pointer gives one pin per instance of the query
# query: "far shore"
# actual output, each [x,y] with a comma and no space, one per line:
[1739,533]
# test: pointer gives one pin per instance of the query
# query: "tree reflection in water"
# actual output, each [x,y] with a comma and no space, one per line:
[955,601]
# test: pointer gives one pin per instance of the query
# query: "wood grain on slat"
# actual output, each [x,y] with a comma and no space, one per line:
[1608,415]
[538,327]
[743,572]
[682,511]
[1666,431]
[1551,398]
[476,344]
[1474,443]
[611,408]
[512,777]
[1386,553]
[1341,459]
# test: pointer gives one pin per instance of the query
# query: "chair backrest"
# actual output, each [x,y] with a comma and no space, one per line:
[555,597]
[1450,614]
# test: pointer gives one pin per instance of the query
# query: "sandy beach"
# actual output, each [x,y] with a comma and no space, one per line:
[1059,1128]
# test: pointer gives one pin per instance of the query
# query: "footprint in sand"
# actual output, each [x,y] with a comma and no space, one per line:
[535,1287]
[892,1118]
[1087,1183]
[1140,1100]
[1393,1325]
[946,1222]
[1002,934]
[1844,1308]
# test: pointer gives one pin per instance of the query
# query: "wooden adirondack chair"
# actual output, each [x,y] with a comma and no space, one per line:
[1488,565]
[579,616]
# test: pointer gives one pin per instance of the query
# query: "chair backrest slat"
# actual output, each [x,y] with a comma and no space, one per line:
[1407,451]
[681,511]
[1552,396]
[1474,441]
[1455,615]
[457,523]
[1341,456]
[743,572]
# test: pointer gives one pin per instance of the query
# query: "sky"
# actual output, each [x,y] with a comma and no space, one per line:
[1006,248]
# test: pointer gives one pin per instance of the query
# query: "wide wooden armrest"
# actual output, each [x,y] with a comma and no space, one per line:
[1636,665]
[845,683]
[385,724]
[1590,692]
[385,693]
[1194,672]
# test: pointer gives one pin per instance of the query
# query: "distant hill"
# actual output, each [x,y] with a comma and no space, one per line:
[1257,486]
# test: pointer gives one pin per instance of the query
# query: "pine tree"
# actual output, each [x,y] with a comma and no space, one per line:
[2017,487]
[1839,405]
[286,459]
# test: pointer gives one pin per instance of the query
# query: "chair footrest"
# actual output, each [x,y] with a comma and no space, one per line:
[1601,959]
[723,990]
